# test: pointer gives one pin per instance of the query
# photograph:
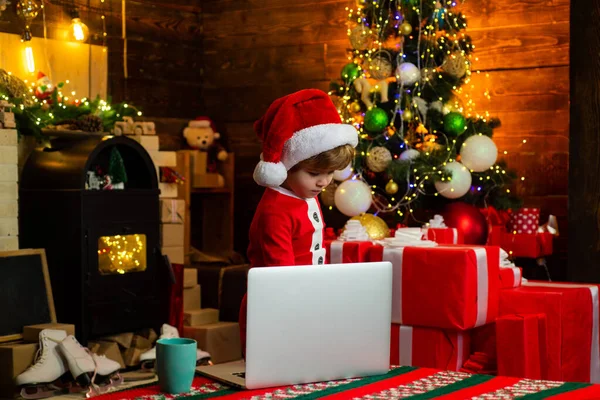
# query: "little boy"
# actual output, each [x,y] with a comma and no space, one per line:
[304,142]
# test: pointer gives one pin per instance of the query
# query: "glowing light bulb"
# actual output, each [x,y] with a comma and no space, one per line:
[29,60]
[78,31]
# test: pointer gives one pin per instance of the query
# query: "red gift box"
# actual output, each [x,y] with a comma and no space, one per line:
[526,220]
[428,347]
[521,345]
[571,310]
[527,245]
[447,287]
[338,252]
[444,235]
[510,277]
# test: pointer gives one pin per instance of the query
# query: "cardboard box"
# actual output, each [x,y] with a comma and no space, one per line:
[9,209]
[9,137]
[31,333]
[172,211]
[204,316]
[9,173]
[175,253]
[191,298]
[9,191]
[168,190]
[9,226]
[171,235]
[149,334]
[15,358]
[140,342]
[109,349]
[163,158]
[221,340]
[190,277]
[9,243]
[208,180]
[9,155]
[148,142]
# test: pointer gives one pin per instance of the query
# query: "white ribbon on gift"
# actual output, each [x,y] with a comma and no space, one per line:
[336,250]
[595,347]
[516,276]
[405,237]
[395,256]
[406,347]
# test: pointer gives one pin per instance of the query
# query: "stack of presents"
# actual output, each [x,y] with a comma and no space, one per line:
[466,308]
[9,207]
[172,208]
[219,338]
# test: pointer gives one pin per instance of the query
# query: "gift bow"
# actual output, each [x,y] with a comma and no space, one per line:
[354,231]
[437,222]
[404,237]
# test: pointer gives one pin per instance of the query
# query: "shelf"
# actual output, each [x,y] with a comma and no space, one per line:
[223,190]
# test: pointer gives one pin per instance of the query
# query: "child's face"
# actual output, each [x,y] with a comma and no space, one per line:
[308,184]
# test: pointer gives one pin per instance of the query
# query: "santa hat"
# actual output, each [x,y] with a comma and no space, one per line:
[202,122]
[297,127]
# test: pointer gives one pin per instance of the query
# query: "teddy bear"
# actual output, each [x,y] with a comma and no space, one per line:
[201,134]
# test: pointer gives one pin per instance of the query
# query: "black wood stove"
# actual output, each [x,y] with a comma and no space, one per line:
[108,275]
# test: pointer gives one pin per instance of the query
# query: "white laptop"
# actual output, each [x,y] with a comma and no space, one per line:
[313,323]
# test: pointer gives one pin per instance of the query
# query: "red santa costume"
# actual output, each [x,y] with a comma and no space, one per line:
[286,229]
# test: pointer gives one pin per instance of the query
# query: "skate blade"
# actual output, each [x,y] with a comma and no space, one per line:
[36,392]
[98,389]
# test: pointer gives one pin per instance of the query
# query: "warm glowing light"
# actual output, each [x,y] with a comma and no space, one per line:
[29,60]
[78,31]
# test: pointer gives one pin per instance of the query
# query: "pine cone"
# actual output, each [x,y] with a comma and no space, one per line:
[90,123]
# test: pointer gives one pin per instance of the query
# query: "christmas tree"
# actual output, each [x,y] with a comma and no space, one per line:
[116,167]
[422,142]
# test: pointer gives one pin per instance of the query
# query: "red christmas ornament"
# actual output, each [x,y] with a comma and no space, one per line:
[467,219]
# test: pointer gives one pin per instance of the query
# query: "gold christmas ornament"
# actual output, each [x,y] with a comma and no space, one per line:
[354,107]
[380,66]
[455,65]
[15,87]
[405,28]
[328,195]
[376,228]
[360,37]
[378,159]
[391,187]
[361,3]
[407,115]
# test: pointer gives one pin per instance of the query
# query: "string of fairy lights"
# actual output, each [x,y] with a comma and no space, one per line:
[370,43]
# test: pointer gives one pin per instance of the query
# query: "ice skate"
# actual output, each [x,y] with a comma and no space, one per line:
[94,374]
[41,380]
[148,358]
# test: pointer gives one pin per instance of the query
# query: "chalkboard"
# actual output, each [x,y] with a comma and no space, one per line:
[25,292]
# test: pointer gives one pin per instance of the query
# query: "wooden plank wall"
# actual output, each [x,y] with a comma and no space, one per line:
[259,50]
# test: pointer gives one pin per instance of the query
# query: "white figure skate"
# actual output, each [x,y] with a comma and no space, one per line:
[148,358]
[86,367]
[41,379]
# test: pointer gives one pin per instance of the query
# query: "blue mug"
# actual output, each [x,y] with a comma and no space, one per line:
[175,364]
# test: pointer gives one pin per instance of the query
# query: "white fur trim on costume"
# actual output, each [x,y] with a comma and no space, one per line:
[270,174]
[309,142]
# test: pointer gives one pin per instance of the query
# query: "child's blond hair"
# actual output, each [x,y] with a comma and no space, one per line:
[331,160]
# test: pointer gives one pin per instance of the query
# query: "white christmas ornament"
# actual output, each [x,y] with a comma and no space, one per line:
[409,155]
[478,153]
[353,197]
[343,174]
[460,183]
[409,73]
